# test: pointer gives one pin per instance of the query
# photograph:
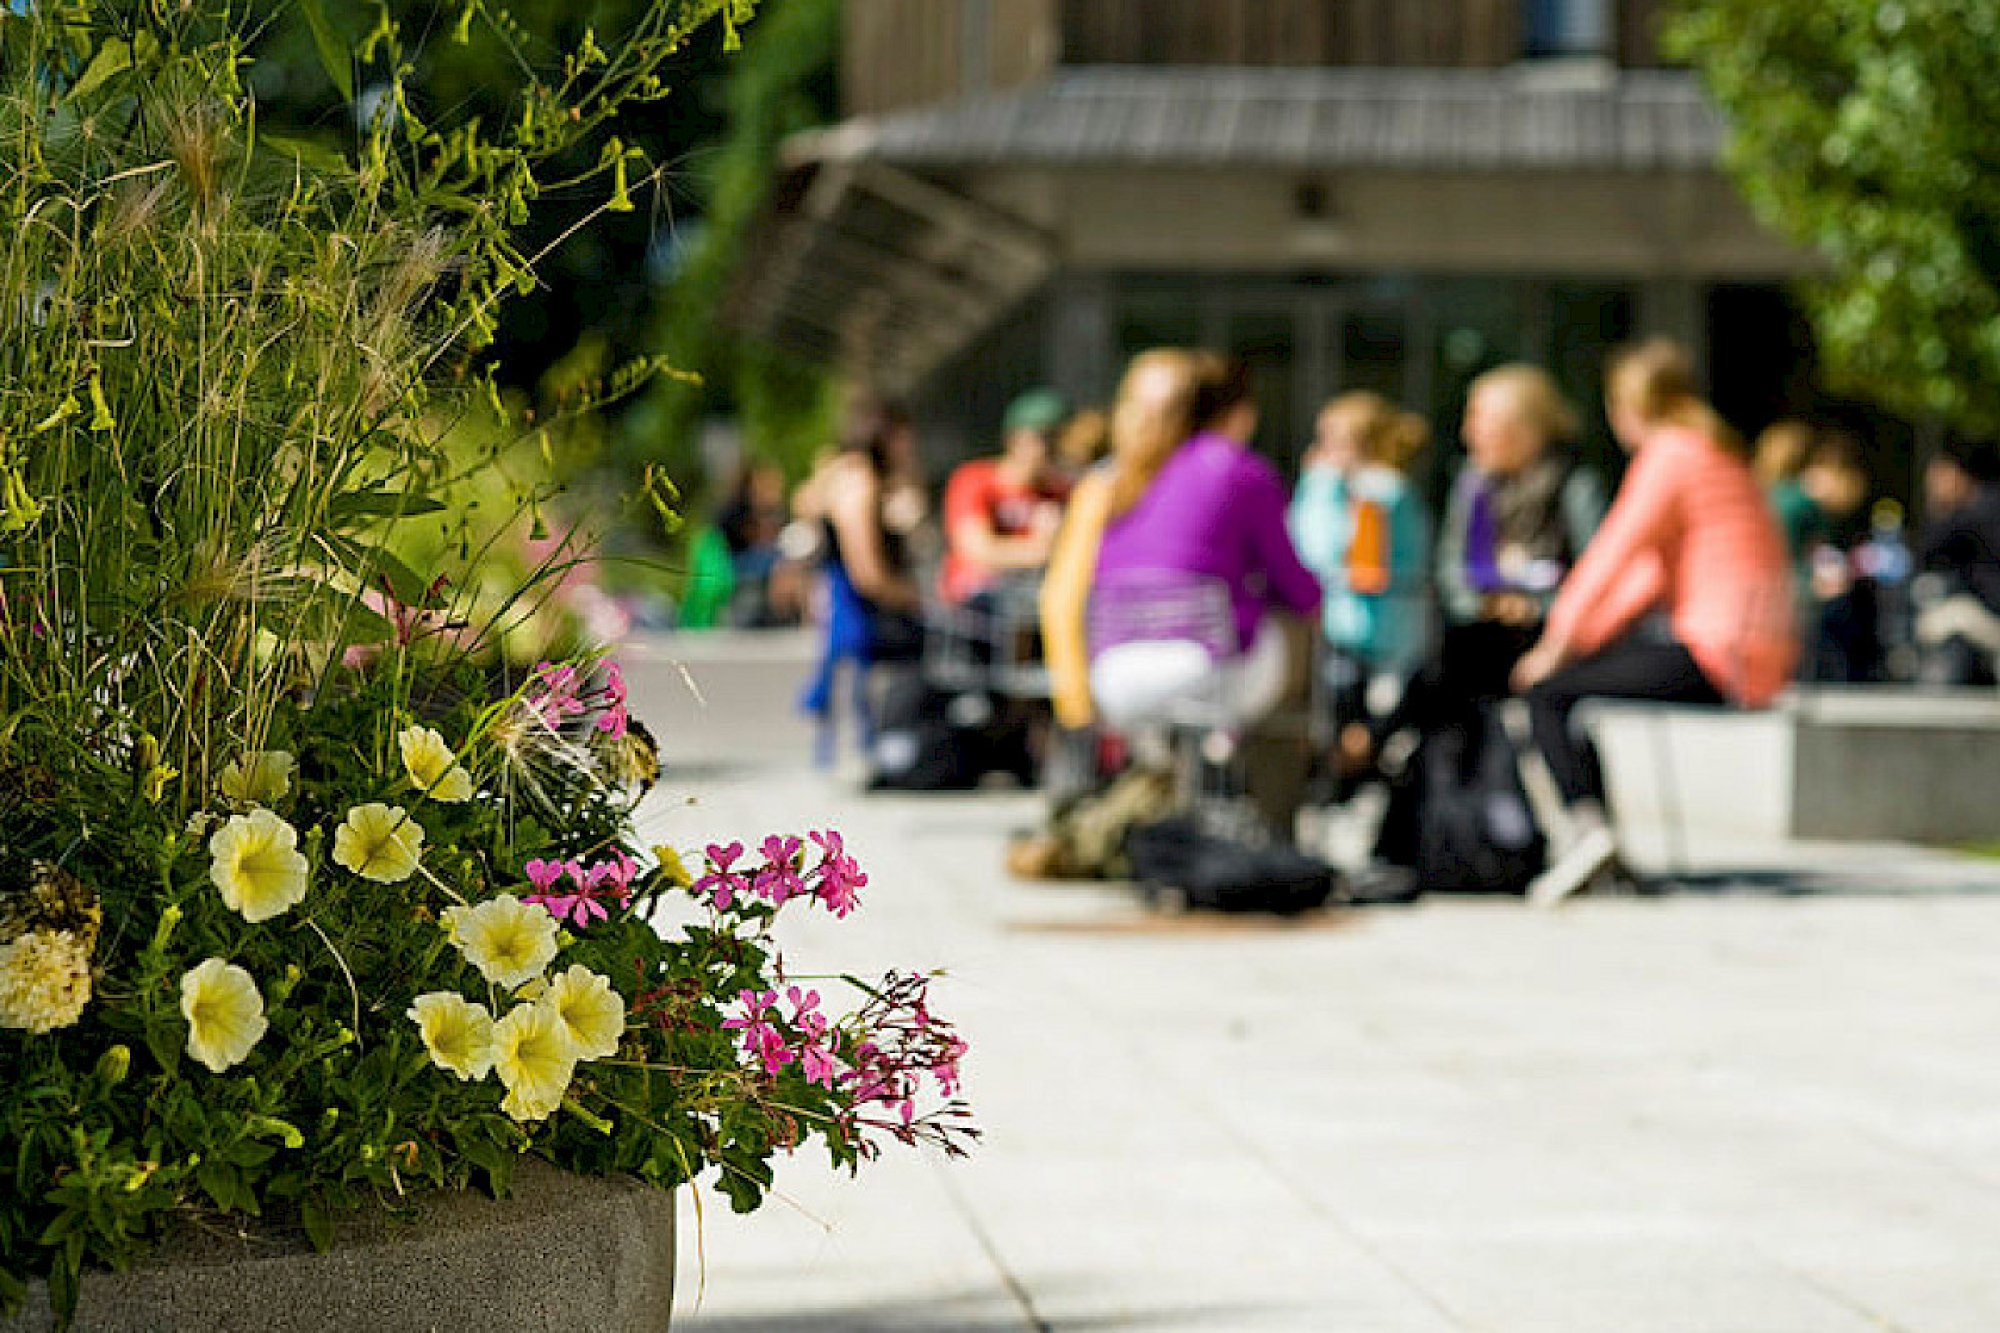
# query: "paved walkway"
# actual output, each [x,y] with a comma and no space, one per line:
[1747,1112]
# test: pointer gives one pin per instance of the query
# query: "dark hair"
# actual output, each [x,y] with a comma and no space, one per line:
[1835,447]
[871,423]
[1222,383]
[1975,458]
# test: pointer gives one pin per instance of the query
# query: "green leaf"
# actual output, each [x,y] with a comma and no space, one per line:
[114,57]
[332,51]
[165,1044]
[377,503]
[317,1221]
[223,1183]
[317,156]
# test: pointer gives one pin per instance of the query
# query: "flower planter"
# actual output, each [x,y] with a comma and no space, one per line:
[561,1252]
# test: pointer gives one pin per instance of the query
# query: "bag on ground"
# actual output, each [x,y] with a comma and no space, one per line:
[1468,812]
[1222,873]
[930,739]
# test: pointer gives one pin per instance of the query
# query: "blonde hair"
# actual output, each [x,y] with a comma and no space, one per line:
[1535,398]
[1084,438]
[1781,451]
[1654,380]
[1140,450]
[1387,435]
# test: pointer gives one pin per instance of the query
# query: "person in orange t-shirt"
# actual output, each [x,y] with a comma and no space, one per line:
[1001,514]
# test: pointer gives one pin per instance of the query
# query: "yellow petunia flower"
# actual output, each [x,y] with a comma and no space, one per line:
[432,765]
[457,1033]
[256,863]
[225,1013]
[672,868]
[533,1060]
[258,777]
[379,842]
[44,980]
[509,941]
[591,1013]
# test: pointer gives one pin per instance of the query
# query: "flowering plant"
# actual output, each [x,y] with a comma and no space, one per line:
[306,899]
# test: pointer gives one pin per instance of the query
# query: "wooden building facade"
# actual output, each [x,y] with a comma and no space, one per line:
[1393,194]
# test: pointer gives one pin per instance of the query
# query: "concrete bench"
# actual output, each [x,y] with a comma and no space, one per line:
[1864,763]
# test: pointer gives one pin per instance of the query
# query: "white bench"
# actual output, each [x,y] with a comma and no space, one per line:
[1866,763]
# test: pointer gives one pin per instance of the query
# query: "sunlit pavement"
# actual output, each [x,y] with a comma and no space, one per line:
[1743,1111]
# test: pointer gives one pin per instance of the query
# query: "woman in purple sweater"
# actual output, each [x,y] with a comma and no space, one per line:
[1193,551]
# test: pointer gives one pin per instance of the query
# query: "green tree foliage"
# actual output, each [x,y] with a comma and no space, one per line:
[1864,129]
[603,282]
[780,86]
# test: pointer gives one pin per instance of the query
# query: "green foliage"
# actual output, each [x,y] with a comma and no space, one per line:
[787,407]
[1863,129]
[111,1128]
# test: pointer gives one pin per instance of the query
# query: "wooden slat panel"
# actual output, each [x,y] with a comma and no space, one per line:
[1301,32]
[1638,42]
[1390,33]
[1022,41]
[1492,32]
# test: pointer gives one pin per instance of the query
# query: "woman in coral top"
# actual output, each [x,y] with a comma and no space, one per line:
[1683,596]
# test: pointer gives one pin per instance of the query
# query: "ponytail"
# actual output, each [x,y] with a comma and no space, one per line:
[1386,435]
[1655,381]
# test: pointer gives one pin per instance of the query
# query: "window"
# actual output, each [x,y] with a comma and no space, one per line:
[1558,28]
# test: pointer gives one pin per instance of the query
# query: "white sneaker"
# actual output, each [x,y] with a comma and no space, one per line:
[1572,872]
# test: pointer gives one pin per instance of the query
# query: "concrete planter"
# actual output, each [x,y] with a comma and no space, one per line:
[560,1253]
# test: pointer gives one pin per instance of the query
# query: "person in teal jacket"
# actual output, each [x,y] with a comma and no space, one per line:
[1360,527]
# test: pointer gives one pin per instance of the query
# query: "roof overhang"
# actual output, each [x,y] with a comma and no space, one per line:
[884,272]
[1528,117]
[868,261]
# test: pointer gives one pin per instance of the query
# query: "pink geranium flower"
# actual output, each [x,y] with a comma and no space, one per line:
[611,697]
[760,1038]
[545,876]
[779,878]
[722,885]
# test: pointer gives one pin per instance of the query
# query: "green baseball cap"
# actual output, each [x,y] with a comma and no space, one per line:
[1037,409]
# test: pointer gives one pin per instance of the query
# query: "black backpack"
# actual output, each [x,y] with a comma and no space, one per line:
[931,739]
[1475,830]
[1219,873]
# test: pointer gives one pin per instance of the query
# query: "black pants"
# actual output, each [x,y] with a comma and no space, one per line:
[1469,671]
[1630,668]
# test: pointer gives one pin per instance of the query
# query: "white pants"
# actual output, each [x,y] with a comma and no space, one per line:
[1154,681]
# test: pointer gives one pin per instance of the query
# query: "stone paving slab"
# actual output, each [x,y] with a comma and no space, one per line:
[1743,1112]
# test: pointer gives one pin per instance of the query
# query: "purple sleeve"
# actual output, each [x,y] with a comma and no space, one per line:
[1262,514]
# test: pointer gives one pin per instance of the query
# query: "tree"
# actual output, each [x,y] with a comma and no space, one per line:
[1864,130]
[782,83]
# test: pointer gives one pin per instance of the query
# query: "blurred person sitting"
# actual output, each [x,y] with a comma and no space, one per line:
[1520,512]
[1518,517]
[1836,610]
[1206,509]
[1684,595]
[750,521]
[1360,527]
[1083,441]
[873,600]
[1958,553]
[1172,517]
[1001,514]
[1780,453]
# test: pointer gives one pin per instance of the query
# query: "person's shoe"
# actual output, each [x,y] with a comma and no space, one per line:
[1381,885]
[1587,857]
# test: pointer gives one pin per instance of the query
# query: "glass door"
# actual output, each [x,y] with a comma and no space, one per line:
[1275,341]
